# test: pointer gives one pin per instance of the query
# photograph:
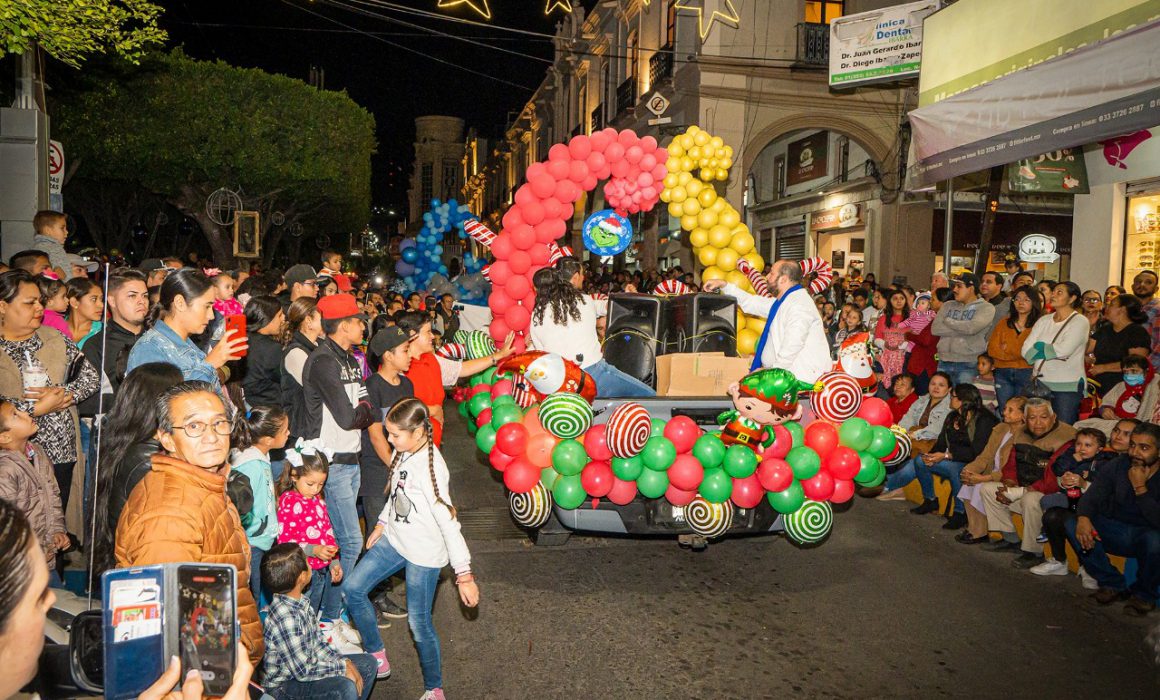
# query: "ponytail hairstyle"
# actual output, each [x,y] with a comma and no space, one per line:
[306,457]
[260,311]
[259,422]
[49,288]
[186,283]
[411,414]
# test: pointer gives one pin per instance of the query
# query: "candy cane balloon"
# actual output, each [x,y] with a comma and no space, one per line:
[479,232]
[760,285]
[823,273]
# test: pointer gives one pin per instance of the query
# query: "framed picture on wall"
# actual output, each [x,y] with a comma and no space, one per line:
[247,235]
[838,260]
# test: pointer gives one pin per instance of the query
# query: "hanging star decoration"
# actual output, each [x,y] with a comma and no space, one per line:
[479,6]
[565,5]
[717,11]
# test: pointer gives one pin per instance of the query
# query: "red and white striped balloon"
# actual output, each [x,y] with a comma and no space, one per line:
[823,271]
[839,399]
[629,428]
[756,279]
[672,287]
[452,351]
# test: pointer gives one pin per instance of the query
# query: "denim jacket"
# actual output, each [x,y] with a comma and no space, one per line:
[162,344]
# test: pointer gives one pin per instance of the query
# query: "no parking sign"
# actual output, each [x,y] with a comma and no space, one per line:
[55,175]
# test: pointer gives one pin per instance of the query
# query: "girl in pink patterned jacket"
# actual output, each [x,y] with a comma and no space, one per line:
[304,520]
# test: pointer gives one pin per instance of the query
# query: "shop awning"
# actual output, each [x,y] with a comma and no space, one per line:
[1099,91]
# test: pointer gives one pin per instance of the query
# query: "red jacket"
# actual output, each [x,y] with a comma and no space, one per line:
[898,408]
[922,354]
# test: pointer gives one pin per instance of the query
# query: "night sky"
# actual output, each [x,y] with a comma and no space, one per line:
[290,36]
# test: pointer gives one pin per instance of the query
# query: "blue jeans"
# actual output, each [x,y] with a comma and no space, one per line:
[1066,405]
[324,595]
[333,688]
[256,555]
[1117,537]
[1010,383]
[961,372]
[612,383]
[902,477]
[948,470]
[341,496]
[380,562]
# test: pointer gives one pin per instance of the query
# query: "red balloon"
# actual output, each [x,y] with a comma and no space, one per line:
[522,238]
[500,272]
[622,492]
[578,170]
[558,152]
[567,191]
[876,412]
[821,436]
[540,256]
[532,212]
[478,389]
[678,497]
[747,492]
[580,147]
[548,231]
[517,287]
[512,439]
[520,262]
[597,479]
[599,141]
[511,219]
[596,443]
[843,491]
[524,195]
[543,186]
[518,345]
[540,446]
[521,475]
[503,246]
[686,473]
[499,330]
[518,317]
[843,463]
[774,474]
[782,443]
[614,152]
[683,432]
[819,487]
[502,387]
[499,302]
[499,459]
[483,418]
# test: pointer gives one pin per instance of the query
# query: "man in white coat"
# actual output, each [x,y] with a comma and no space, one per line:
[794,337]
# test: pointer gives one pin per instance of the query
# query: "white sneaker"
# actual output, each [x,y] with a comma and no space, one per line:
[1088,581]
[1051,567]
[341,636]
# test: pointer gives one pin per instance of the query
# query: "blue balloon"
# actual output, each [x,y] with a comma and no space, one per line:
[410,255]
[404,269]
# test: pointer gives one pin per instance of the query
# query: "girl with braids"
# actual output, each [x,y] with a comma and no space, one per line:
[417,532]
[564,322]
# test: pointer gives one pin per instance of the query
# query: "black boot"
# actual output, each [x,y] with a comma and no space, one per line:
[956,522]
[930,505]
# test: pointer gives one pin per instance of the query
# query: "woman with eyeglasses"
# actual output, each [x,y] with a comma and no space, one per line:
[180,511]
[1092,307]
[1123,335]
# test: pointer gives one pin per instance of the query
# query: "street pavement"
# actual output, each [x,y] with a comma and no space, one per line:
[889,607]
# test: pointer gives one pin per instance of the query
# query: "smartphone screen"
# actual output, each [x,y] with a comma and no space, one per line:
[206,631]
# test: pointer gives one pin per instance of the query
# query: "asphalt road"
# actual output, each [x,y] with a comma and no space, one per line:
[889,606]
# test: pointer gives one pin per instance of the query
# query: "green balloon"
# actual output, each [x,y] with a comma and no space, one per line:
[627,468]
[652,484]
[568,457]
[472,428]
[479,403]
[796,432]
[879,477]
[709,451]
[463,409]
[548,477]
[658,427]
[855,434]
[871,468]
[716,487]
[882,442]
[485,438]
[804,462]
[740,461]
[568,492]
[787,501]
[658,453]
[502,415]
[502,400]
[488,375]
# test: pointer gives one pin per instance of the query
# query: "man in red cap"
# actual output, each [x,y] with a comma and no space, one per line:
[337,410]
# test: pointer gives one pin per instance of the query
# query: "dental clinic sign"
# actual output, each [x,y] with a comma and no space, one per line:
[878,46]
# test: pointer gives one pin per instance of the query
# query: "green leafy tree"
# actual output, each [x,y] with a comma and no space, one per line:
[181,129]
[71,30]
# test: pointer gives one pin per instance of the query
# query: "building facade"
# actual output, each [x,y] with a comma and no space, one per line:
[436,171]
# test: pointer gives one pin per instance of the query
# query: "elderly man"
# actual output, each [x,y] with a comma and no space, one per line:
[1025,482]
[793,338]
[938,280]
[1120,514]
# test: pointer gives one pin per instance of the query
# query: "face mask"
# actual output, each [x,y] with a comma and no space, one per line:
[1133,379]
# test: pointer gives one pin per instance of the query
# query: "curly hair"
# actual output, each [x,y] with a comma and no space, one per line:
[555,292]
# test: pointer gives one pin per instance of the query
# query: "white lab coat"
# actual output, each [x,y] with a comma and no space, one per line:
[797,340]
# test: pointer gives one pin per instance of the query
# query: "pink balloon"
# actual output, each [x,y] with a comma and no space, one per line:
[614,152]
[511,219]
[524,195]
[599,141]
[499,302]
[517,287]
[503,245]
[554,208]
[534,171]
[686,473]
[598,165]
[647,162]
[633,154]
[521,475]
[559,170]
[543,186]
[819,487]
[519,262]
[597,479]
[499,459]
[550,230]
[559,152]
[747,492]
[500,272]
[619,168]
[533,212]
[579,147]
[843,491]
[518,317]
[659,172]
[644,180]
[567,191]
[774,474]
[540,256]
[596,443]
[627,138]
[589,183]
[622,492]
[678,497]
[648,143]
[523,238]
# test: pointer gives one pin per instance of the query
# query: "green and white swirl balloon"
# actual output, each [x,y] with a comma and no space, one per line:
[811,523]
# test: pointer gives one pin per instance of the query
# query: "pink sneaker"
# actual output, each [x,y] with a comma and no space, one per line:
[435,694]
[384,665]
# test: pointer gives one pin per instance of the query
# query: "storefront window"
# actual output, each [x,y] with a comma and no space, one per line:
[1143,235]
[823,12]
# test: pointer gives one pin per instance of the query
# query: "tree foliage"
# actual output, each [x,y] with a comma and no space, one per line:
[182,128]
[71,30]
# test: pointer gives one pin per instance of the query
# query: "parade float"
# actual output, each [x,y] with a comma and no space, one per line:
[758,467]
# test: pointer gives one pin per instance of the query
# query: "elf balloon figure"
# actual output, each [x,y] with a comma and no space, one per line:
[764,398]
[856,358]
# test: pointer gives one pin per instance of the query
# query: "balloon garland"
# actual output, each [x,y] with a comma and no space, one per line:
[420,257]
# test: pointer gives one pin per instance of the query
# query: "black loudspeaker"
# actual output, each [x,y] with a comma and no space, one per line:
[637,332]
[703,323]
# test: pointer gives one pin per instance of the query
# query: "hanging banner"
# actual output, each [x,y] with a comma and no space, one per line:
[878,46]
[1063,171]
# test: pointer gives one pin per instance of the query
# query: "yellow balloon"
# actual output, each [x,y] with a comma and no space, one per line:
[755,324]
[687,142]
[741,319]
[665,196]
[694,153]
[722,174]
[707,174]
[673,164]
[739,229]
[728,151]
[694,187]
[707,219]
[678,194]
[701,138]
[675,148]
[688,222]
[746,341]
[698,238]
[687,163]
[707,256]
[721,205]
[692,130]
[691,207]
[727,260]
[719,236]
[712,273]
[742,243]
[671,181]
[726,163]
[716,142]
[675,209]
[730,218]
[711,163]
[753,258]
[684,178]
[707,197]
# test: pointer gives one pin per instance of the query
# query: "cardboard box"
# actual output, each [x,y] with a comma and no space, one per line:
[699,373]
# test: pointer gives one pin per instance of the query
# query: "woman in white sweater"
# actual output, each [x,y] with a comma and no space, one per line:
[1055,350]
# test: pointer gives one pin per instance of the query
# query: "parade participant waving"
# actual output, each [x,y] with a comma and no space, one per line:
[793,337]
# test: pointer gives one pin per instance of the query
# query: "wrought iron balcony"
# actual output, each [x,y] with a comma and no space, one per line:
[626,96]
[813,44]
[660,65]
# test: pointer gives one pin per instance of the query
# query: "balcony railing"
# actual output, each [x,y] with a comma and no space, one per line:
[660,65]
[813,44]
[597,118]
[626,96]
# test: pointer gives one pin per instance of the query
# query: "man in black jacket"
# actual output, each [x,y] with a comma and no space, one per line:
[337,411]
[108,350]
[1120,514]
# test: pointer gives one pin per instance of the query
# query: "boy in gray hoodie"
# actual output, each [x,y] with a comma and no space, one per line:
[963,326]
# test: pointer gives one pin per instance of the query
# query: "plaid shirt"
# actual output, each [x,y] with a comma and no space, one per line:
[1152,308]
[295,649]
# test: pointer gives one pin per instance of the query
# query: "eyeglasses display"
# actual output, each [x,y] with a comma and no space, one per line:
[1142,241]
